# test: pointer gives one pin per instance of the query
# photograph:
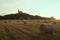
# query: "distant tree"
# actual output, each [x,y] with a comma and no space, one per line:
[21,15]
[52,18]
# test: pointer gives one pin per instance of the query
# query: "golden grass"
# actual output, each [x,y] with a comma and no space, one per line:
[17,30]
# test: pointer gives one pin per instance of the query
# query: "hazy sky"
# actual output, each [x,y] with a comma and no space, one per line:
[45,8]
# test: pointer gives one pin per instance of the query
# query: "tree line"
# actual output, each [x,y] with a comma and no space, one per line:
[21,15]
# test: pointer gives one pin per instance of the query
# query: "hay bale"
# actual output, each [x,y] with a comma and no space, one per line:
[5,21]
[25,22]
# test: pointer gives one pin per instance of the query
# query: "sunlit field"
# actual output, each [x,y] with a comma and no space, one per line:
[24,30]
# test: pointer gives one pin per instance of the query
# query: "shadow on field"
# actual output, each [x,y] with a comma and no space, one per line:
[43,37]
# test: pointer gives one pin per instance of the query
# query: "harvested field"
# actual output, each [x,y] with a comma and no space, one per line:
[17,30]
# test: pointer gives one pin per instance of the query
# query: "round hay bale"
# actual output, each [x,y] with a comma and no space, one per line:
[5,21]
[25,22]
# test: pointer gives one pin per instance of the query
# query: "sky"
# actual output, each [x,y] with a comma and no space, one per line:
[44,8]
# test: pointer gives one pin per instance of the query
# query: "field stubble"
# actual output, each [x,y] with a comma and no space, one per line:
[17,30]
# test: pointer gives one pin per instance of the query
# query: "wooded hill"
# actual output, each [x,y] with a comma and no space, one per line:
[21,15]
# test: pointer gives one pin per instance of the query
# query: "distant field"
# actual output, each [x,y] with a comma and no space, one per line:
[17,30]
